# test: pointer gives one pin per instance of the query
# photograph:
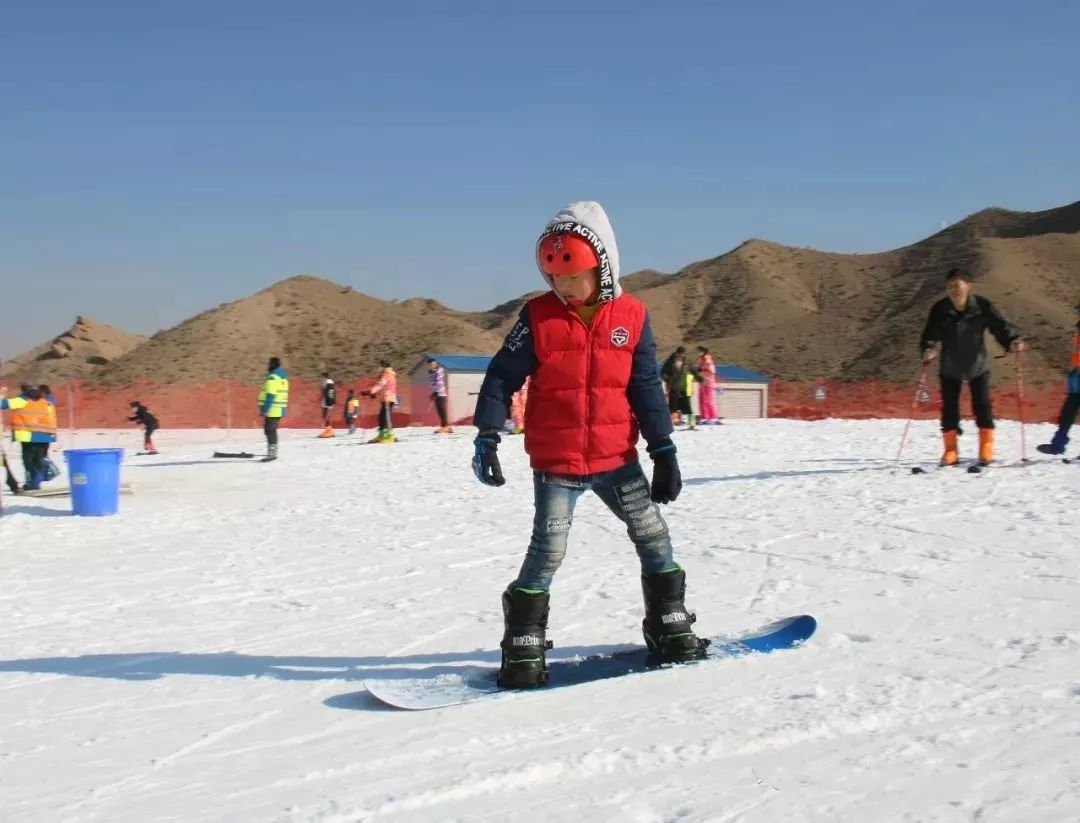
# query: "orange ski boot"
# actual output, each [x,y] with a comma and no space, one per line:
[986,446]
[952,452]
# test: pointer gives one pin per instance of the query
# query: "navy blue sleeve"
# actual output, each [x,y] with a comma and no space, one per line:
[506,374]
[646,393]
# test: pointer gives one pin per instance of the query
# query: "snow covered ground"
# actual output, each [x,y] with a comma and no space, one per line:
[198,657]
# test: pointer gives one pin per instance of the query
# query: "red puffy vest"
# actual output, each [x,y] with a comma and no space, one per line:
[578,418]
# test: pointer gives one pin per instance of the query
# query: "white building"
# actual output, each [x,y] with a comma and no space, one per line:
[464,374]
[739,393]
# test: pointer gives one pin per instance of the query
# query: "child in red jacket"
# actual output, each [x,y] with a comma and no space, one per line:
[591,358]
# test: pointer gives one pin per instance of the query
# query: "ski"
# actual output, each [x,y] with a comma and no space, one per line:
[65,492]
[478,683]
[938,467]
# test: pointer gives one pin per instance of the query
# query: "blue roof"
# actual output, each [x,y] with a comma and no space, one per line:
[733,374]
[462,362]
[725,371]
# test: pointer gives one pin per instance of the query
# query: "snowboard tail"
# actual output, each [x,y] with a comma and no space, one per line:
[479,683]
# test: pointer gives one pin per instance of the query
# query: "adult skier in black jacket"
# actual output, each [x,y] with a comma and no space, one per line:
[954,335]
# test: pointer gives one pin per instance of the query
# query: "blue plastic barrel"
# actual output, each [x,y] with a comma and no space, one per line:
[95,480]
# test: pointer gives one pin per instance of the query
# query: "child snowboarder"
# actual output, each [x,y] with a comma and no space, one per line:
[437,382]
[141,416]
[1071,405]
[956,325]
[385,393]
[273,405]
[329,400]
[591,356]
[352,410]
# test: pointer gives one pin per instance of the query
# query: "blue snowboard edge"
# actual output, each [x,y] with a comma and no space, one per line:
[476,683]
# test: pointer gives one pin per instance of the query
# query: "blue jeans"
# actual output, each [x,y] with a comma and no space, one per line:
[624,490]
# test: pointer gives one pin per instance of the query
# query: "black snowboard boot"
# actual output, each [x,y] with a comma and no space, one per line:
[667,624]
[524,643]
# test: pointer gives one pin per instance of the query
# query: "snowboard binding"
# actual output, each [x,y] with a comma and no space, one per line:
[668,625]
[524,644]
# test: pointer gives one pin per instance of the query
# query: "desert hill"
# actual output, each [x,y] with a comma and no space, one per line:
[312,324]
[793,313]
[80,351]
[799,313]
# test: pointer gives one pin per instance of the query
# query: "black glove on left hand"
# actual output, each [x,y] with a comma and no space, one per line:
[666,478]
[485,462]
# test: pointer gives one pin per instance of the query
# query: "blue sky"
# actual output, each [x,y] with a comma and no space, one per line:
[158,159]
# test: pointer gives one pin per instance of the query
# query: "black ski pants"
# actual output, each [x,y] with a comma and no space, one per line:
[1069,410]
[386,420]
[33,457]
[270,425]
[980,402]
[440,407]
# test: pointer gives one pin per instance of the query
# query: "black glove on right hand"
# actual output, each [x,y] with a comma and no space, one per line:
[666,478]
[485,462]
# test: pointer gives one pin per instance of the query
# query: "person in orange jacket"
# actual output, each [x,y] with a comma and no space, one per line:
[33,427]
[517,409]
[385,393]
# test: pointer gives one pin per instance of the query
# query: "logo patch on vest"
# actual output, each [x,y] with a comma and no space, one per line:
[620,336]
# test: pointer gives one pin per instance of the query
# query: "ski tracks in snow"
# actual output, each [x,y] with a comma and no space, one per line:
[941,684]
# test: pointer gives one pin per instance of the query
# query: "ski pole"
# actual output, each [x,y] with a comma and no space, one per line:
[914,403]
[1020,404]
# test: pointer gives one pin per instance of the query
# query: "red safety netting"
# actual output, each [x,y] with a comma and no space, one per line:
[872,399]
[227,404]
[224,404]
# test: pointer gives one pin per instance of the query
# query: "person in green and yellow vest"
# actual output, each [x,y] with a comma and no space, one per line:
[33,427]
[273,404]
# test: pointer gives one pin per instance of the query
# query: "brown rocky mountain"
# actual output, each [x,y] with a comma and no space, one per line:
[312,324]
[798,313]
[80,351]
[792,313]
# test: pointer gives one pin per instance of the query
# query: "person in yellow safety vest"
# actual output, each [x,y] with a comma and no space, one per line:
[691,420]
[273,404]
[33,426]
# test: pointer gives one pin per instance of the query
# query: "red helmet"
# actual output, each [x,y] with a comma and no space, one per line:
[561,254]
